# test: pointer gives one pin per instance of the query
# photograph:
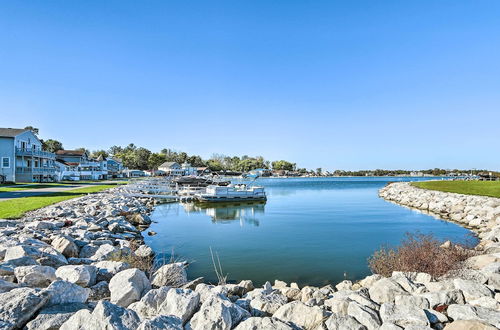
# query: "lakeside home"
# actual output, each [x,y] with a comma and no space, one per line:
[76,165]
[23,159]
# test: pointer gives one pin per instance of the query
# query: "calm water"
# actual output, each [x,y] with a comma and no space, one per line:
[311,231]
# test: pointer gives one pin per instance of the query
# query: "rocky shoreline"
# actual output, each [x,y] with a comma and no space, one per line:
[66,267]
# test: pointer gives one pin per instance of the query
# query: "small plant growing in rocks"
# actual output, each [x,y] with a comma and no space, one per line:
[420,253]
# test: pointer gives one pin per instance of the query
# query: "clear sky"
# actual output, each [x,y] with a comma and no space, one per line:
[332,84]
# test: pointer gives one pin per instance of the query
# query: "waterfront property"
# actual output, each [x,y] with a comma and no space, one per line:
[22,157]
[76,165]
[482,188]
[171,169]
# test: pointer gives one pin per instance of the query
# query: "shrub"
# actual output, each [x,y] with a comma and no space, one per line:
[419,253]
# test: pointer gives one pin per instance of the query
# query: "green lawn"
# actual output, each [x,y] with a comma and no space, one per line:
[16,208]
[27,186]
[483,188]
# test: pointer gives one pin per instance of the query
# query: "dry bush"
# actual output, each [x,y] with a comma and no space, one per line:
[146,264]
[419,253]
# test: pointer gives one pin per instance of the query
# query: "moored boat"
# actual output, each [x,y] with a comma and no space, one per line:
[232,193]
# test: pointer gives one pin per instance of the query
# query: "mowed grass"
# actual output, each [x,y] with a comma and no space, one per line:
[482,188]
[28,186]
[16,208]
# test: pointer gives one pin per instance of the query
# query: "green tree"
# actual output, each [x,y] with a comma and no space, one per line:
[319,170]
[33,129]
[52,145]
[283,165]
[98,153]
[155,160]
[115,150]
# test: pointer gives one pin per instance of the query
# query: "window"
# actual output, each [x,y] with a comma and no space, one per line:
[6,162]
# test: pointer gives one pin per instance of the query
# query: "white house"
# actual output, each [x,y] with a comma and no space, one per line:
[76,165]
[22,158]
[171,169]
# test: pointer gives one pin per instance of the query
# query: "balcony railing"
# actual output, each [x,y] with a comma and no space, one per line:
[35,153]
[36,170]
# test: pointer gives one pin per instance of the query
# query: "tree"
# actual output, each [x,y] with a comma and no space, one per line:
[115,150]
[33,129]
[215,165]
[319,170]
[98,153]
[283,165]
[52,145]
[155,160]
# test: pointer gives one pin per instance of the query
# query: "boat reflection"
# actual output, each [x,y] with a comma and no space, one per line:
[244,212]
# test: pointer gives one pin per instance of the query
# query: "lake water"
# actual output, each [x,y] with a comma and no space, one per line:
[311,231]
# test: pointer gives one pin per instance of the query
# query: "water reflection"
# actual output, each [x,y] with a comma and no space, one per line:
[224,213]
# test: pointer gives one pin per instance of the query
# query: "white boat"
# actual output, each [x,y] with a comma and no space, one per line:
[232,193]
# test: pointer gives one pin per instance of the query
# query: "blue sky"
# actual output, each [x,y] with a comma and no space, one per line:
[332,84]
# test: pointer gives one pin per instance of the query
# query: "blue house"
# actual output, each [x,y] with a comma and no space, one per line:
[22,158]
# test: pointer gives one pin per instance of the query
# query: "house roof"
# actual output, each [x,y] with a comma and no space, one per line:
[11,132]
[70,152]
[168,164]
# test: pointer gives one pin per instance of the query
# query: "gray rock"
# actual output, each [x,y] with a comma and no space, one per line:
[35,276]
[151,303]
[385,290]
[83,275]
[106,251]
[403,315]
[144,251]
[469,325]
[18,306]
[217,313]
[263,323]
[170,275]
[99,291]
[63,292]
[53,317]
[162,322]
[472,290]
[267,305]
[364,315]
[66,246]
[139,219]
[104,316]
[6,286]
[128,286]
[182,303]
[301,315]
[107,269]
[336,322]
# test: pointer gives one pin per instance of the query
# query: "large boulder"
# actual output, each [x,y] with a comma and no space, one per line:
[364,315]
[63,292]
[347,322]
[217,313]
[105,251]
[170,275]
[385,290]
[472,290]
[66,245]
[301,315]
[139,219]
[35,276]
[6,286]
[151,303]
[107,269]
[403,315]
[53,317]
[19,305]
[104,316]
[267,304]
[164,322]
[263,323]
[182,303]
[128,286]
[84,275]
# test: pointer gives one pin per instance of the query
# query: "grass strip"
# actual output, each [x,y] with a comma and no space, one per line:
[16,208]
[480,188]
